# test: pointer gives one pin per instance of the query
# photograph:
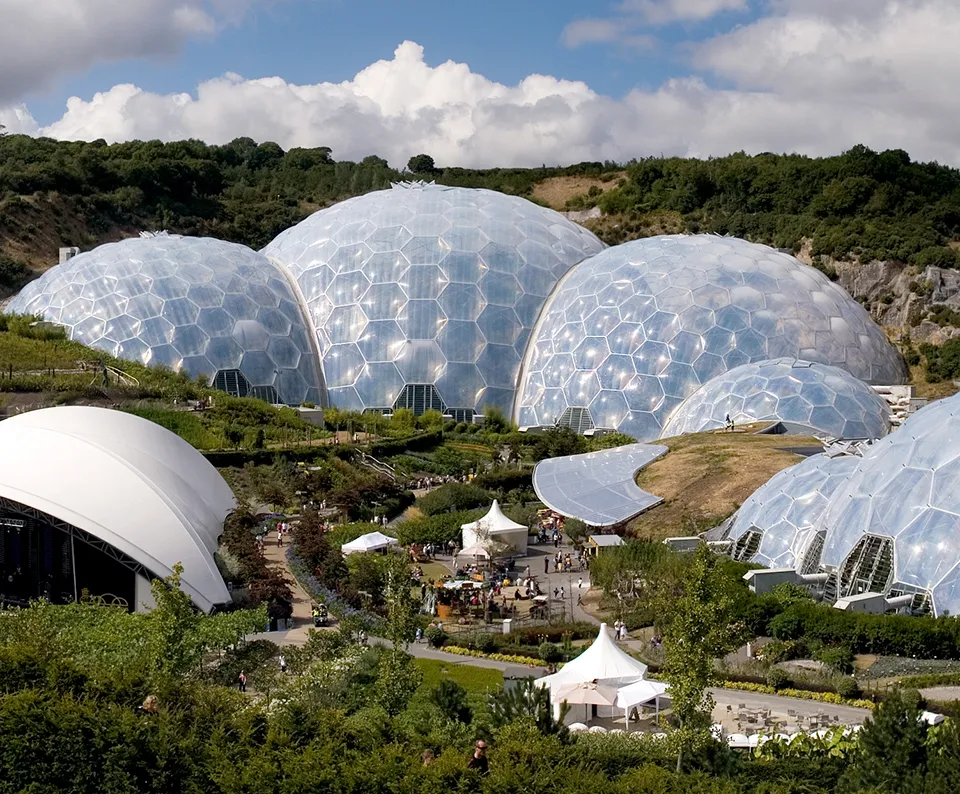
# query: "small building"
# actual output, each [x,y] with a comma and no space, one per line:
[596,543]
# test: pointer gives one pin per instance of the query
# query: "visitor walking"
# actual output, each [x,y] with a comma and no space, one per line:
[580,583]
[242,681]
[419,637]
[283,664]
[546,565]
[279,535]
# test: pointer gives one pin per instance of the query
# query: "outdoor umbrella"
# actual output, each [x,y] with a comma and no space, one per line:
[586,693]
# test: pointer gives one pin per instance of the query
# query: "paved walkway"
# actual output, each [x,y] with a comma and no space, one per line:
[302,602]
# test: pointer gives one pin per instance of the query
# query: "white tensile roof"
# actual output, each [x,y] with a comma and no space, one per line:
[642,691]
[126,481]
[476,550]
[372,541]
[494,522]
[603,661]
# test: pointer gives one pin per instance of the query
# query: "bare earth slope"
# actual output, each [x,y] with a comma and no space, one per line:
[706,476]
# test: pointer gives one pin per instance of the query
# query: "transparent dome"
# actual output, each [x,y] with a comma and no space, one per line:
[190,303]
[776,527]
[821,399]
[895,525]
[424,296]
[635,330]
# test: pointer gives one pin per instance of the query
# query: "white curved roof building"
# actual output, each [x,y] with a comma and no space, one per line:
[100,479]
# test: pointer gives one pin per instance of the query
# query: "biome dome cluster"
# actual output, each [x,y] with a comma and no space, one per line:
[634,331]
[430,297]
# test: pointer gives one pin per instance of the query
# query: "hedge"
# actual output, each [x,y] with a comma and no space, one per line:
[885,635]
[398,446]
[456,650]
[802,694]
[505,480]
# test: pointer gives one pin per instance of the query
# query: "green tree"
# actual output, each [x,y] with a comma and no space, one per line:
[397,675]
[451,699]
[893,747]
[421,164]
[525,700]
[698,633]
[176,646]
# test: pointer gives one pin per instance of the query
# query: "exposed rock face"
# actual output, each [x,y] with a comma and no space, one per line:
[898,296]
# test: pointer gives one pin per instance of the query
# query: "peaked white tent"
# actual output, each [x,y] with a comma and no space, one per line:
[495,527]
[603,662]
[372,541]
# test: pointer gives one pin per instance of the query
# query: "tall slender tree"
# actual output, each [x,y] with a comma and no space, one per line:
[698,633]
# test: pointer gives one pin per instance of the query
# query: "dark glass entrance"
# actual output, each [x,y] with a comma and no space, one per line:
[42,557]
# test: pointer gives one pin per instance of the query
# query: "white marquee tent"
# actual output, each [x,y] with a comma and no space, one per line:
[372,541]
[496,527]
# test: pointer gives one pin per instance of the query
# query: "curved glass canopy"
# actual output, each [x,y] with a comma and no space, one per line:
[597,487]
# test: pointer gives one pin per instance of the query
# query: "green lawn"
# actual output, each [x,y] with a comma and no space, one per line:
[476,680]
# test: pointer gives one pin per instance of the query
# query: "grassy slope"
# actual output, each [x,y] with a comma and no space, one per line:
[706,476]
[476,680]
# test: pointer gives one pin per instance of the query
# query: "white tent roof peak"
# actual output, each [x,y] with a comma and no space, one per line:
[494,522]
[602,661]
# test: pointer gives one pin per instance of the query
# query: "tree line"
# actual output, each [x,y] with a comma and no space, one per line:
[861,203]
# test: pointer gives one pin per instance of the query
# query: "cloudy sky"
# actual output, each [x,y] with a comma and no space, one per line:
[498,82]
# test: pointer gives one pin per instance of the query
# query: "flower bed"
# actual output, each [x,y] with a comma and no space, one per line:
[337,605]
[456,650]
[820,697]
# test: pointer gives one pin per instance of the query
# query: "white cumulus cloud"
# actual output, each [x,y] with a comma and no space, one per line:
[810,76]
[41,40]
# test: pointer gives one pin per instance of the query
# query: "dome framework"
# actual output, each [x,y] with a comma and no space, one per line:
[424,296]
[192,304]
[810,397]
[634,331]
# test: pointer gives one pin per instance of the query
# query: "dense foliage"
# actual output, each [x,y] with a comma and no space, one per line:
[862,203]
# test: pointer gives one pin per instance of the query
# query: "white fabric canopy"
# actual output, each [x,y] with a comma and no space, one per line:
[603,662]
[640,692]
[494,522]
[585,694]
[475,551]
[372,541]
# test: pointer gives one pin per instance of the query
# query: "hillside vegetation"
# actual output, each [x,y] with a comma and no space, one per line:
[860,204]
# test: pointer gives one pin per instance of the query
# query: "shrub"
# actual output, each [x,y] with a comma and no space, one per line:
[848,688]
[453,497]
[435,637]
[777,678]
[451,699]
[840,658]
[549,652]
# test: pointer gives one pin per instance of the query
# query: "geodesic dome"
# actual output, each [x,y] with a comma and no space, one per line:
[815,397]
[636,329]
[895,525]
[423,296]
[191,303]
[777,526]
